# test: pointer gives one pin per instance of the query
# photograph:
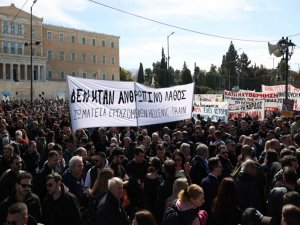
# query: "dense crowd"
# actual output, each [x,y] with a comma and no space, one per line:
[196,172]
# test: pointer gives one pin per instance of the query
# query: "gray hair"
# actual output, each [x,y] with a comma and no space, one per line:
[184,146]
[113,182]
[247,166]
[202,149]
[74,160]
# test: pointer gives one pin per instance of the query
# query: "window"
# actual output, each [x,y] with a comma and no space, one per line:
[33,32]
[73,74]
[5,47]
[49,35]
[95,76]
[73,39]
[50,55]
[33,52]
[84,75]
[94,42]
[112,60]
[62,55]
[94,59]
[83,40]
[103,59]
[112,44]
[112,77]
[103,43]
[61,37]
[20,29]
[12,48]
[20,48]
[5,27]
[73,56]
[84,58]
[49,74]
[12,28]
[103,76]
[62,75]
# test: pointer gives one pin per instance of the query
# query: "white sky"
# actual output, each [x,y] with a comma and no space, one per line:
[142,40]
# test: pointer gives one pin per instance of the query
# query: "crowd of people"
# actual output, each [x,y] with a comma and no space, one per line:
[192,172]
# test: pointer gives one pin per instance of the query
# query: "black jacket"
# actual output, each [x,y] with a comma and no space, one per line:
[199,170]
[110,211]
[64,210]
[32,201]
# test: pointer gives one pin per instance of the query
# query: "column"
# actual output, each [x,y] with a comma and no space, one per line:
[39,73]
[19,72]
[4,70]
[11,71]
[44,73]
[25,69]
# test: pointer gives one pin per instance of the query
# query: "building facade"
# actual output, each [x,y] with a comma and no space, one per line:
[56,52]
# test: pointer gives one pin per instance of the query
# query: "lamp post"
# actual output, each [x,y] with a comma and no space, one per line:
[284,45]
[168,49]
[31,72]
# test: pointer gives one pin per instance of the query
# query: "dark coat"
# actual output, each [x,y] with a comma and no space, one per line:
[199,170]
[110,211]
[7,183]
[210,185]
[64,210]
[248,194]
[32,201]
[40,181]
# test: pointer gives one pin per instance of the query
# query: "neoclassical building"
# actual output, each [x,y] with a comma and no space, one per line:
[56,52]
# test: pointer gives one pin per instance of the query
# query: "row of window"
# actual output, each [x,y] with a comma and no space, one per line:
[82,41]
[84,57]
[84,75]
[11,47]
[12,28]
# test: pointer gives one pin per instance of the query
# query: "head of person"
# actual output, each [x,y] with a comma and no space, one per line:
[118,155]
[179,158]
[215,166]
[247,151]
[76,166]
[202,151]
[271,156]
[15,163]
[248,141]
[53,158]
[115,186]
[185,149]
[155,137]
[139,155]
[223,152]
[32,147]
[290,215]
[226,197]
[99,160]
[160,150]
[169,168]
[289,160]
[179,184]
[101,184]
[143,217]
[249,167]
[193,194]
[53,183]
[154,164]
[251,216]
[81,151]
[8,151]
[23,184]
[291,197]
[17,214]
[289,176]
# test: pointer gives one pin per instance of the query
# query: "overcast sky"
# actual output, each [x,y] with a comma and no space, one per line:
[141,40]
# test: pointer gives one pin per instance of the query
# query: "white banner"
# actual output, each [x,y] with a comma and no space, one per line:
[247,97]
[208,97]
[100,103]
[293,94]
[256,108]
[214,110]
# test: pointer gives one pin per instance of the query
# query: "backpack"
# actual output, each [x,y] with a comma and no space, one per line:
[173,216]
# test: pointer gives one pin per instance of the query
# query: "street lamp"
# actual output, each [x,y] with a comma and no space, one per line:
[31,74]
[284,46]
[168,49]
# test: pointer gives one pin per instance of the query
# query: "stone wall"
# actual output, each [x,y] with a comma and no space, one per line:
[21,90]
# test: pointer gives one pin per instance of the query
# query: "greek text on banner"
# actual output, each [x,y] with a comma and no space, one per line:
[99,103]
